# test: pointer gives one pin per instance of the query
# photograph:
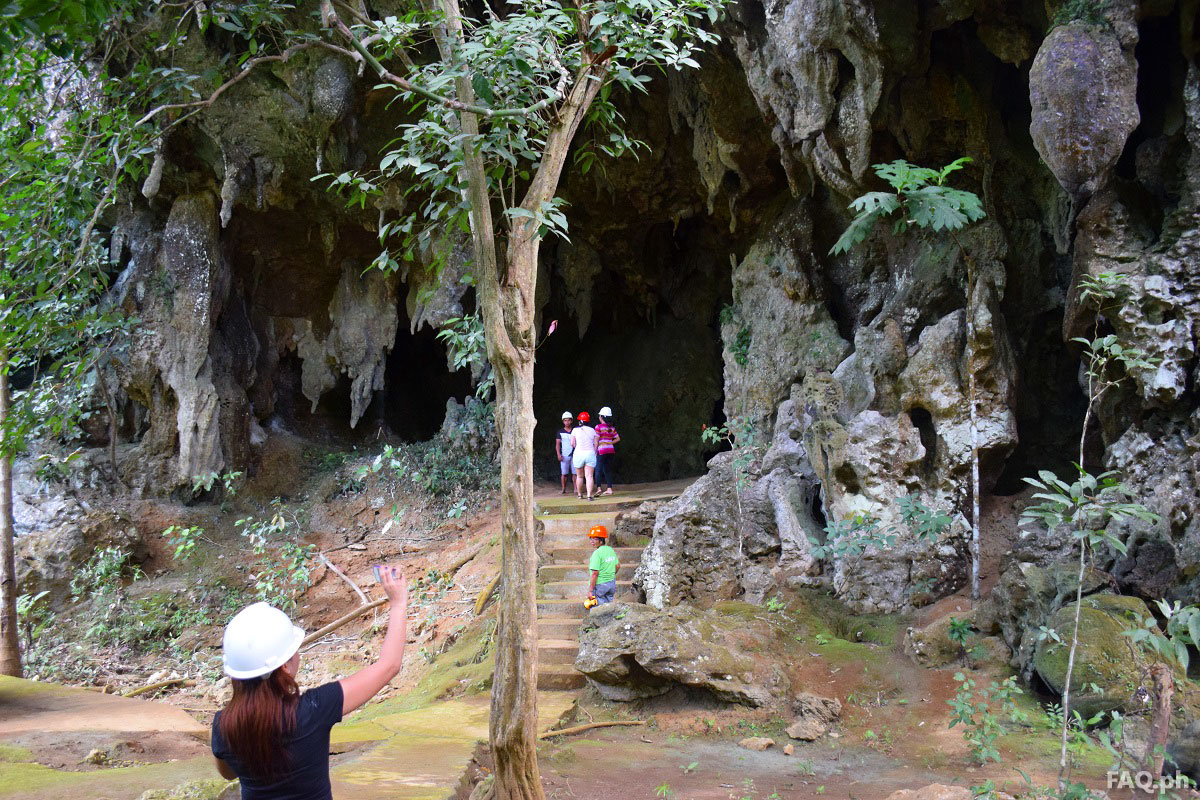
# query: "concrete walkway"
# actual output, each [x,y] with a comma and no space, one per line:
[421,754]
[44,722]
[36,706]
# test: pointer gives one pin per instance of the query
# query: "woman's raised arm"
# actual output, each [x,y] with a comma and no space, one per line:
[366,683]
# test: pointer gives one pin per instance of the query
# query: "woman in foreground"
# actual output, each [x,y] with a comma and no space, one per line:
[272,736]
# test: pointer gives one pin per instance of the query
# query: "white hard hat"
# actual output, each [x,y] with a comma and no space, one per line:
[606,412]
[259,639]
[567,415]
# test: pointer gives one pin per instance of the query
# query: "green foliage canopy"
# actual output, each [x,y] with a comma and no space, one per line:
[521,63]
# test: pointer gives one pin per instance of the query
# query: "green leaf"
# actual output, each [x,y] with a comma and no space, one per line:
[858,230]
[482,90]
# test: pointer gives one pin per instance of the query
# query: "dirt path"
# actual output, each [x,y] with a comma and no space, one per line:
[41,707]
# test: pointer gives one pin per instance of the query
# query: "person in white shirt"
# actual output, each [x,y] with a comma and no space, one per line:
[562,448]
[583,455]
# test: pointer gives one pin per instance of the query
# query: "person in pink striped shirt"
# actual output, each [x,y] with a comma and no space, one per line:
[606,437]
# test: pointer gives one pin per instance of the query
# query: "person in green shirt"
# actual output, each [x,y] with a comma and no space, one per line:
[603,566]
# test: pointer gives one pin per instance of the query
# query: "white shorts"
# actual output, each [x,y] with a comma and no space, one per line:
[580,460]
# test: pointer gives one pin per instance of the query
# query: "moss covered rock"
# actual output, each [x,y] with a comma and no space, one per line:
[194,790]
[1107,672]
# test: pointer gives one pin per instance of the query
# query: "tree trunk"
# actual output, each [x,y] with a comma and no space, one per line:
[507,304]
[10,641]
[513,725]
[1160,720]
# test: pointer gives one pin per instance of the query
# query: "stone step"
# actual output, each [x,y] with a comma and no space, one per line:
[559,628]
[579,572]
[573,505]
[569,590]
[581,555]
[559,676]
[557,651]
[558,607]
[562,523]
[625,496]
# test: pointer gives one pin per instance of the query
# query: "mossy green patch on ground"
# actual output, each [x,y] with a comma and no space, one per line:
[1044,747]
[11,753]
[26,781]
[426,749]
[358,730]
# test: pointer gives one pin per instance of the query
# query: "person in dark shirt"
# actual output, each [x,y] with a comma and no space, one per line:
[273,737]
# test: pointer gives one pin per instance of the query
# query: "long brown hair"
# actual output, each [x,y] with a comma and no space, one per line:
[258,720]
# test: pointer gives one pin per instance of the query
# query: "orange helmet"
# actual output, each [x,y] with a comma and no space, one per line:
[583,416]
[598,532]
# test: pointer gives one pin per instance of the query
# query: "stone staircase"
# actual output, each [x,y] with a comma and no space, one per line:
[563,579]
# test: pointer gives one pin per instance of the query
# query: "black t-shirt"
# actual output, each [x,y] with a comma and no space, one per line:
[308,750]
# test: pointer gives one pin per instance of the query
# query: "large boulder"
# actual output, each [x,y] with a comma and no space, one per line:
[630,651]
[930,645]
[47,559]
[1083,90]
[1023,600]
[1106,673]
[814,715]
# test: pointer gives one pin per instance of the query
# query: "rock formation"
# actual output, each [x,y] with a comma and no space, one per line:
[698,288]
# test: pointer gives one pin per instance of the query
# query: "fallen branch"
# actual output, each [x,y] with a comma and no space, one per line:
[461,562]
[486,594]
[588,727]
[321,557]
[159,685]
[340,621]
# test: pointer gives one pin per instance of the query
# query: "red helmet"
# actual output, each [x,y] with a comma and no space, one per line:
[583,416]
[598,532]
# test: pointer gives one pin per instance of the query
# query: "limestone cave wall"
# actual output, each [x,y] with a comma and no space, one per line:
[698,287]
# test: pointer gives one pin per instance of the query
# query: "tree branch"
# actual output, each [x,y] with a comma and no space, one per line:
[325,560]
[580,728]
[247,68]
[329,14]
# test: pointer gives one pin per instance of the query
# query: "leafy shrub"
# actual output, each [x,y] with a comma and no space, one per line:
[851,537]
[978,710]
[741,346]
[282,568]
[104,572]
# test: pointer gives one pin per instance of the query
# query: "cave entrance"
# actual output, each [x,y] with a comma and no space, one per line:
[650,350]
[417,384]
[412,405]
[1049,409]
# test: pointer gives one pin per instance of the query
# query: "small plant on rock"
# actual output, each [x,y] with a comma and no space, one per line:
[850,538]
[742,437]
[960,632]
